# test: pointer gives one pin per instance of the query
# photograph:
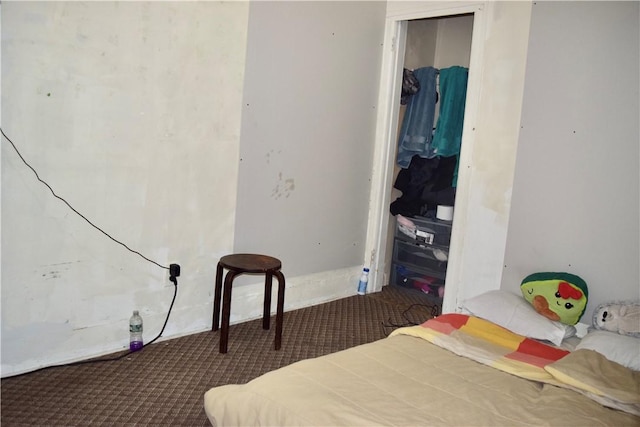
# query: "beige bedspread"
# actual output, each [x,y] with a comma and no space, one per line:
[401,381]
[584,371]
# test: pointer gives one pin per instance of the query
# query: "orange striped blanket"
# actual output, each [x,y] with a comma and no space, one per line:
[584,371]
[490,344]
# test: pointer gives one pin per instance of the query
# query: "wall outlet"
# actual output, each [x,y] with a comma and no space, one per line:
[174,270]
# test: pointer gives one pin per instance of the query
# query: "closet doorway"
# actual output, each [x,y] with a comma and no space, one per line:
[429,35]
[436,64]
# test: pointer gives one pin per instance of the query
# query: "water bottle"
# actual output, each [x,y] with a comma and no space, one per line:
[362,285]
[135,332]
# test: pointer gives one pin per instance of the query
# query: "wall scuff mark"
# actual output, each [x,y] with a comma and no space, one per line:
[284,187]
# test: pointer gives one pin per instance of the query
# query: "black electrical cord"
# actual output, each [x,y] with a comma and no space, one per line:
[172,278]
[175,292]
[409,322]
[72,208]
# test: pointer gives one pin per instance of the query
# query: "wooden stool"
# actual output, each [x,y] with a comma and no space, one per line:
[238,264]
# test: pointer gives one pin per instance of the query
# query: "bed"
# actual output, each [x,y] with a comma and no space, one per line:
[456,369]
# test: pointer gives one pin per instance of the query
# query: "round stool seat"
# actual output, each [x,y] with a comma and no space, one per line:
[250,263]
[236,265]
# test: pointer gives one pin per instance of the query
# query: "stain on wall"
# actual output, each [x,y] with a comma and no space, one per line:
[284,187]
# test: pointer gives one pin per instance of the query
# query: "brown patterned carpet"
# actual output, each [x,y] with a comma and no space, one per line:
[164,384]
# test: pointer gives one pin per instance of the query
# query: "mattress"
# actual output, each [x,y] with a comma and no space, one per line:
[407,380]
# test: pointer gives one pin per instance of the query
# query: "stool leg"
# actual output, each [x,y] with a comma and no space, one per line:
[280,309]
[215,324]
[266,313]
[226,310]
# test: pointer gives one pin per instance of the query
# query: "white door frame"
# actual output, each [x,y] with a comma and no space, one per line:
[386,131]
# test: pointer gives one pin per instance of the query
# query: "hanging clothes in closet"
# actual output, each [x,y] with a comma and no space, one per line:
[410,86]
[453,94]
[418,140]
[417,126]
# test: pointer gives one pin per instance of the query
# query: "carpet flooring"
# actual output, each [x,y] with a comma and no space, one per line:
[164,383]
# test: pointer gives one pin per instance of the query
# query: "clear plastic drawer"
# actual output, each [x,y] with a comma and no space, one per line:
[423,230]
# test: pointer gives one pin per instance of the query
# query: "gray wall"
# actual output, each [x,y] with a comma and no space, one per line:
[308,126]
[575,203]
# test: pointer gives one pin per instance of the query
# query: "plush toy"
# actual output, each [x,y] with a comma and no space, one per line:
[622,317]
[558,296]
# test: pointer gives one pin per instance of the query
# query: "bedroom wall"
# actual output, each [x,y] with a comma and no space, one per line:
[575,204]
[308,125]
[125,109]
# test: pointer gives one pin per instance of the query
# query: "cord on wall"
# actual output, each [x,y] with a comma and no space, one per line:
[72,208]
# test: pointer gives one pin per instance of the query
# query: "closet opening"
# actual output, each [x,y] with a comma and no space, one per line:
[429,139]
[415,237]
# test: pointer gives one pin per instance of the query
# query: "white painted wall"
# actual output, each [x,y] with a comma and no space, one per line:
[575,203]
[125,110]
[488,154]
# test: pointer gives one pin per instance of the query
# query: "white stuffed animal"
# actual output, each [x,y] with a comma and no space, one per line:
[622,317]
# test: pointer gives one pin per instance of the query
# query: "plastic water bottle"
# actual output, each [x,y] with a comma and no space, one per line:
[135,332]
[362,284]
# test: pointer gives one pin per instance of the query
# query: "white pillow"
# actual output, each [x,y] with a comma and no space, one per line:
[516,314]
[622,349]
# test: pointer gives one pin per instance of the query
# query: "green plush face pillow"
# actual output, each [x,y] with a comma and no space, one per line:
[558,296]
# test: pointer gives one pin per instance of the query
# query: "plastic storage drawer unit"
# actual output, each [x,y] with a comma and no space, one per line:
[422,256]
[424,230]
[420,280]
